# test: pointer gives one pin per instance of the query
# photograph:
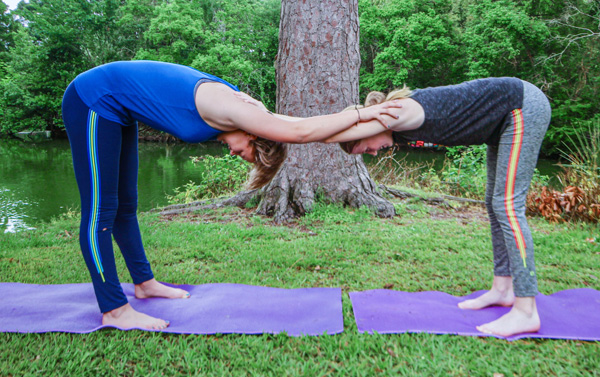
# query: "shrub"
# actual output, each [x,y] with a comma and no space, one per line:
[390,170]
[220,176]
[464,172]
[580,200]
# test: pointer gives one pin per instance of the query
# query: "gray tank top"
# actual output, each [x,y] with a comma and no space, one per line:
[465,114]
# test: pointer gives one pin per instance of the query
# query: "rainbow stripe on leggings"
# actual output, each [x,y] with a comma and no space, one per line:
[92,131]
[511,174]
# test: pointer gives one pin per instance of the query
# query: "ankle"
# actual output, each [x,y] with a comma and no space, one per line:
[146,284]
[526,305]
[118,312]
[503,285]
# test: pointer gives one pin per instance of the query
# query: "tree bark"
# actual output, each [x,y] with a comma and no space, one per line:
[317,73]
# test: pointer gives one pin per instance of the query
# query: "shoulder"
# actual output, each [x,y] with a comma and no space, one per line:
[215,103]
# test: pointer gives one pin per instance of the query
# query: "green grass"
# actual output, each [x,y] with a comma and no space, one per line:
[423,248]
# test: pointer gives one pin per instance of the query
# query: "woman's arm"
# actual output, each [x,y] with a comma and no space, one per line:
[410,117]
[253,101]
[222,109]
[360,131]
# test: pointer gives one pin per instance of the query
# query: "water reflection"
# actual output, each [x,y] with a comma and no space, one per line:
[37,180]
[12,212]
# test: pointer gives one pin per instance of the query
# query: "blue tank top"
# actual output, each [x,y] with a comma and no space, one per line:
[158,94]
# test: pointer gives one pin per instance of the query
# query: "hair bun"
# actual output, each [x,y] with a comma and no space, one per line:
[374,98]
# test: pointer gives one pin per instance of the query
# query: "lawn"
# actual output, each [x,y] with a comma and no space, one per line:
[423,248]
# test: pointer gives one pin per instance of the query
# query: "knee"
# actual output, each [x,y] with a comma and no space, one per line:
[127,209]
[503,206]
[498,205]
[106,218]
[489,203]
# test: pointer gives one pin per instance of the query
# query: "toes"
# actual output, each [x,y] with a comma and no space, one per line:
[161,326]
[484,330]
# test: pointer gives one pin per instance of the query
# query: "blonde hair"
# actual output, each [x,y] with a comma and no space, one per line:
[375,98]
[269,157]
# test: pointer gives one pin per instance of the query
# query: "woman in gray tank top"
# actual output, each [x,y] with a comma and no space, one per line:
[510,116]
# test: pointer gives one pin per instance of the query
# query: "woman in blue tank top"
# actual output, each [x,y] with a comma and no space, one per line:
[101,108]
[510,116]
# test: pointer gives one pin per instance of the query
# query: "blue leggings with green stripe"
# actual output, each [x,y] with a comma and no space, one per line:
[105,159]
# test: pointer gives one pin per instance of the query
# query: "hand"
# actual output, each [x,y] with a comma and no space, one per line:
[376,112]
[246,98]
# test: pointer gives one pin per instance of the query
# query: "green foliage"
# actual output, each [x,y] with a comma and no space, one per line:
[582,152]
[7,28]
[446,42]
[554,45]
[572,68]
[501,39]
[220,176]
[465,171]
[245,46]
[406,41]
[57,40]
[25,101]
[176,33]
[233,40]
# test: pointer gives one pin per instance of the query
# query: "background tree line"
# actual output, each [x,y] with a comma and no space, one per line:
[553,44]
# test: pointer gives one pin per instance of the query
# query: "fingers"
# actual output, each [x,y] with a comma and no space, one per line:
[389,113]
[377,112]
[380,119]
[395,103]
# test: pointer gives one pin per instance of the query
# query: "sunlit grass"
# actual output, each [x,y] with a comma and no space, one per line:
[423,248]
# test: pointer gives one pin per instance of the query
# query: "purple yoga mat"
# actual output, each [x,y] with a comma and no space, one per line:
[569,314]
[211,309]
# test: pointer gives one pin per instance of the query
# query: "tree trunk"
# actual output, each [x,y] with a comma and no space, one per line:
[317,73]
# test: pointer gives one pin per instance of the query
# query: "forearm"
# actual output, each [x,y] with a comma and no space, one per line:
[360,131]
[319,128]
[286,117]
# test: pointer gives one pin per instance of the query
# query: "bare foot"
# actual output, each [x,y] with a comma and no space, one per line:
[523,317]
[152,288]
[126,317]
[501,294]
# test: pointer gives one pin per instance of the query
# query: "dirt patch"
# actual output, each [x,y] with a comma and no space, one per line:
[466,212]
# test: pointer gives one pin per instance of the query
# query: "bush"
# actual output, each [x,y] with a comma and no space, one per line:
[464,172]
[580,200]
[220,176]
[390,170]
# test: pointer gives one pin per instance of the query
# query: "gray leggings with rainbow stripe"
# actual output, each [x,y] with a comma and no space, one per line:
[510,167]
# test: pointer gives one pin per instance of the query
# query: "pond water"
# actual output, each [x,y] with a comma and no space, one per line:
[37,180]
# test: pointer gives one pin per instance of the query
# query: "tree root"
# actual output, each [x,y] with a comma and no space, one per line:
[239,200]
[443,200]
[242,198]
